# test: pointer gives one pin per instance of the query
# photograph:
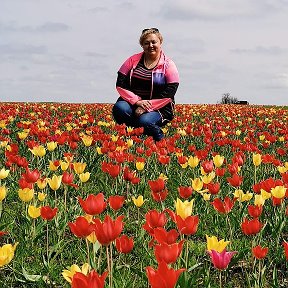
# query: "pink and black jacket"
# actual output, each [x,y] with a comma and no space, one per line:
[165,81]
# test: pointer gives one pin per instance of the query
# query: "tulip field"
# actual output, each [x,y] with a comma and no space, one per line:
[85,202]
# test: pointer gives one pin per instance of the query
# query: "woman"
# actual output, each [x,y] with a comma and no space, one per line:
[147,83]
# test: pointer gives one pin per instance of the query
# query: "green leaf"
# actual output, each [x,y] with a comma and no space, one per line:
[32,278]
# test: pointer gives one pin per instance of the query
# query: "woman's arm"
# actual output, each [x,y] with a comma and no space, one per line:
[122,86]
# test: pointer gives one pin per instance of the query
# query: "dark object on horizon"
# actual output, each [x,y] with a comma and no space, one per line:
[242,102]
[228,99]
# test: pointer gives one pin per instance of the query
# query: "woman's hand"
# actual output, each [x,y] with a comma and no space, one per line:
[139,111]
[144,104]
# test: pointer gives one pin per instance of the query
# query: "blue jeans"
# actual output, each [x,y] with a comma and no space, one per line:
[123,112]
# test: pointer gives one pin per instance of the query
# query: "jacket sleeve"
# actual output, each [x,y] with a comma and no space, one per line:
[172,81]
[123,83]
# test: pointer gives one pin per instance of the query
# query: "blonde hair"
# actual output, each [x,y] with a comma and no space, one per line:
[149,31]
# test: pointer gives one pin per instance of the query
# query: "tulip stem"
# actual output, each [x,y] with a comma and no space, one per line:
[187,253]
[47,242]
[65,198]
[88,251]
[220,279]
[111,263]
[108,264]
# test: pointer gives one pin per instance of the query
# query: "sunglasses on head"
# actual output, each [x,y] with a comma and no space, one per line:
[153,29]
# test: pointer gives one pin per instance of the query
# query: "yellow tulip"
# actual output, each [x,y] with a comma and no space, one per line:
[130,129]
[185,165]
[84,177]
[140,166]
[241,196]
[184,209]
[55,182]
[52,166]
[193,161]
[41,196]
[257,159]
[163,176]
[138,201]
[265,195]
[218,160]
[262,137]
[79,167]
[208,178]
[114,138]
[64,165]
[34,212]
[3,193]
[282,169]
[129,143]
[197,184]
[278,192]
[69,273]
[4,173]
[22,135]
[3,144]
[51,146]
[164,130]
[87,140]
[42,183]
[281,139]
[259,200]
[214,244]
[99,151]
[206,196]
[7,253]
[92,237]
[38,151]
[26,194]
[238,132]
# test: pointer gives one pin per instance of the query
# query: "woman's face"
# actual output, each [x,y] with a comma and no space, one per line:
[151,45]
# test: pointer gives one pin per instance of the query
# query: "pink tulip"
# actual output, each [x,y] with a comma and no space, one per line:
[221,260]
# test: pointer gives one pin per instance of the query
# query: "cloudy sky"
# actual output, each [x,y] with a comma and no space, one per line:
[71,50]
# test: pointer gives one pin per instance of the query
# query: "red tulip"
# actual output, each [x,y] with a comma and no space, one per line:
[94,204]
[168,253]
[156,185]
[108,230]
[235,180]
[187,226]
[67,178]
[213,188]
[3,233]
[255,211]
[285,244]
[116,202]
[91,280]
[159,196]
[222,259]
[31,176]
[124,244]
[220,172]
[163,236]
[24,184]
[48,213]
[154,219]
[163,276]
[251,227]
[225,206]
[207,166]
[259,252]
[185,191]
[81,228]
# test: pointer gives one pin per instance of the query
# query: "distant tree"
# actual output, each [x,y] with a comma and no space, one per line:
[228,99]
